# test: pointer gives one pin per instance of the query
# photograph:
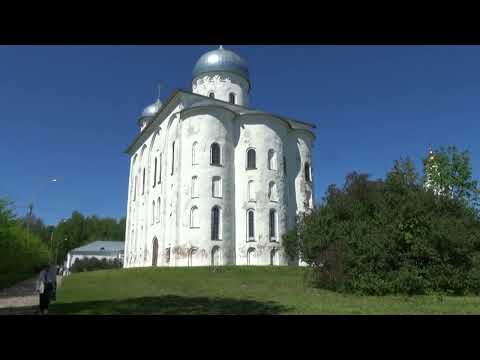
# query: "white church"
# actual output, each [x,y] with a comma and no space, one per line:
[213,181]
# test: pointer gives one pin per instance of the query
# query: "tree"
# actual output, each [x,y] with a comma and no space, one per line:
[390,236]
[448,172]
[21,251]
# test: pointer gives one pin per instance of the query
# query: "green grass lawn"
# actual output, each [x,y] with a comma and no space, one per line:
[230,290]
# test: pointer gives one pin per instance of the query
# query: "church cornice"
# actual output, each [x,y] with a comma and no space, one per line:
[237,110]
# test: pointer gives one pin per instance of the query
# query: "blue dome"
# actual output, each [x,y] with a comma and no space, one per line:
[221,60]
[153,109]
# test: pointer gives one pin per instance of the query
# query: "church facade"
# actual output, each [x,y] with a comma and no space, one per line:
[213,181]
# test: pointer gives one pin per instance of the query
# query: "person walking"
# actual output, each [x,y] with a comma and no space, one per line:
[52,278]
[44,288]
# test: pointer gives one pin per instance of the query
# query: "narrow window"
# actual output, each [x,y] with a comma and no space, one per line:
[251,191]
[308,175]
[153,212]
[194,153]
[272,191]
[167,255]
[308,200]
[217,187]
[232,98]
[195,187]
[158,209]
[251,225]
[160,170]
[211,95]
[215,223]
[272,160]
[251,159]
[155,174]
[284,166]
[194,217]
[173,156]
[215,154]
[135,191]
[273,225]
[143,183]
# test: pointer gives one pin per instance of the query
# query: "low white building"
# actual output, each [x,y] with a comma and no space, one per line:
[109,250]
[213,181]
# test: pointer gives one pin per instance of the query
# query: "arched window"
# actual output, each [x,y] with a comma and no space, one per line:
[155,173]
[160,170]
[195,187]
[194,217]
[250,225]
[284,166]
[273,225]
[215,154]
[217,187]
[173,156]
[158,209]
[194,153]
[232,98]
[153,212]
[215,223]
[211,95]
[272,160]
[308,200]
[272,191]
[143,182]
[251,191]
[135,190]
[251,159]
[308,173]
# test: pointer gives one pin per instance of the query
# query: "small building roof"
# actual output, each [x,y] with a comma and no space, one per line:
[100,247]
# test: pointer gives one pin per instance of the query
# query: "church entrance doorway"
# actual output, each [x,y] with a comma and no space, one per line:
[251,257]
[191,257]
[274,257]
[155,252]
[216,256]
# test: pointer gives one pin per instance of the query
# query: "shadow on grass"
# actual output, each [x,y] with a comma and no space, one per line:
[171,305]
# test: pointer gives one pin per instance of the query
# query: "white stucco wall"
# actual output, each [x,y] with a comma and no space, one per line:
[204,125]
[221,85]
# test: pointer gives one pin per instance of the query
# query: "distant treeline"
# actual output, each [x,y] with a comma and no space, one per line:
[79,230]
[76,231]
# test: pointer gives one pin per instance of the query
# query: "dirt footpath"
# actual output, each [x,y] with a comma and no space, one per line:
[21,299]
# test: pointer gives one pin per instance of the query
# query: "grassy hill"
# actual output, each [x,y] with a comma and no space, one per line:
[230,290]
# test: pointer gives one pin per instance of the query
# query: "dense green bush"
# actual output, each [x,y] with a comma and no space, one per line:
[93,264]
[21,252]
[390,237]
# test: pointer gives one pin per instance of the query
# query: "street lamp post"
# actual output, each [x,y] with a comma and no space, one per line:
[34,196]
[56,243]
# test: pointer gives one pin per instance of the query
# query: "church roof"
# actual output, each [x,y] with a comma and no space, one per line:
[207,101]
[100,248]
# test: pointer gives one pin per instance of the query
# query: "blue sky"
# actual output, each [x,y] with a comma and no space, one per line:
[69,112]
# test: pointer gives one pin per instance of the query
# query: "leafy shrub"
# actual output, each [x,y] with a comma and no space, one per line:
[93,264]
[390,237]
[21,252]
